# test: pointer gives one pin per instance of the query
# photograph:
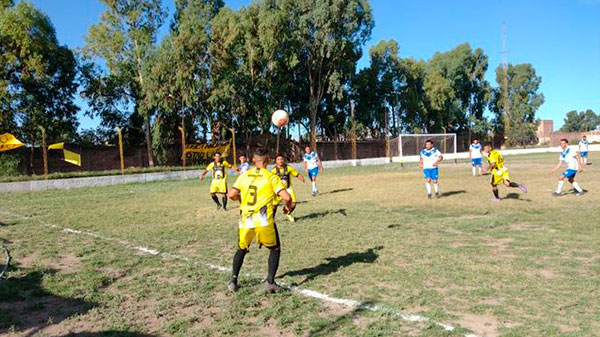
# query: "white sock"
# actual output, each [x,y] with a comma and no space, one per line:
[314,186]
[428,187]
[436,188]
[479,170]
[474,171]
[560,186]
[577,187]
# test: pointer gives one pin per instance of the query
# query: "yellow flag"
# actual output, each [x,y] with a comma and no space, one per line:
[57,146]
[9,142]
[68,156]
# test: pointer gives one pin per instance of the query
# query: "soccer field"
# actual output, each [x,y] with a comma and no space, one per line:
[144,259]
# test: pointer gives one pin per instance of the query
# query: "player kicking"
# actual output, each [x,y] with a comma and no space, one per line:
[584,149]
[285,173]
[574,164]
[312,166]
[244,164]
[218,185]
[499,172]
[257,189]
[476,157]
[430,157]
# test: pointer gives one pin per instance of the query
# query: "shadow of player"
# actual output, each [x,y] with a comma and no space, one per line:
[451,193]
[315,215]
[338,191]
[515,196]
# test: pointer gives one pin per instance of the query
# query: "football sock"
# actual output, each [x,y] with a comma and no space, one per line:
[428,187]
[577,187]
[436,187]
[216,200]
[238,260]
[474,171]
[479,168]
[274,255]
[513,184]
[560,186]
[225,202]
[495,190]
[314,186]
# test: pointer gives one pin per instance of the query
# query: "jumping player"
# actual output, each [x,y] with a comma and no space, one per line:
[476,156]
[574,164]
[312,166]
[218,185]
[499,172]
[257,189]
[285,173]
[429,159]
[584,149]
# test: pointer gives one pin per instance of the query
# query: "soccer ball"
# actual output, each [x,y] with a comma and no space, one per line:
[280,118]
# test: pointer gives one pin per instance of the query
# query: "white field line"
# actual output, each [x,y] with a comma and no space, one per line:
[304,292]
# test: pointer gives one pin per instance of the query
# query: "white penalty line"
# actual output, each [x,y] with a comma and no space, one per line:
[304,292]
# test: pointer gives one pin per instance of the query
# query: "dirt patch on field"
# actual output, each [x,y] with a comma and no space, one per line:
[484,325]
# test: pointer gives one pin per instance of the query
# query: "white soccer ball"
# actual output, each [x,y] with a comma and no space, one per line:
[280,118]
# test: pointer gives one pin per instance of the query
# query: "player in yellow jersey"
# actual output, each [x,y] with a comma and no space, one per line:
[285,173]
[499,172]
[257,190]
[218,168]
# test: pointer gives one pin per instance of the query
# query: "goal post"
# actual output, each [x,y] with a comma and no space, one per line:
[411,144]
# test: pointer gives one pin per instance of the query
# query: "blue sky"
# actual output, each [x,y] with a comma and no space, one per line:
[561,38]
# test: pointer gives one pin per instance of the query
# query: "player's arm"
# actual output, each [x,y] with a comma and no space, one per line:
[287,200]
[580,161]
[440,158]
[305,166]
[298,175]
[203,174]
[421,162]
[320,163]
[233,194]
[557,166]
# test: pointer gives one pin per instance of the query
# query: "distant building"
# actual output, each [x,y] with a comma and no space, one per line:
[544,131]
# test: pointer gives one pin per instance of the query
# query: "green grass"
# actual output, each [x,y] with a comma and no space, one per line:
[529,266]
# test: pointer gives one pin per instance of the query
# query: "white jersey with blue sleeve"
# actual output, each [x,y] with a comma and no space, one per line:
[244,167]
[475,150]
[430,157]
[569,157]
[311,160]
[583,145]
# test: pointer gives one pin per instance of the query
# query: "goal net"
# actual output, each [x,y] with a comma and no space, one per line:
[411,144]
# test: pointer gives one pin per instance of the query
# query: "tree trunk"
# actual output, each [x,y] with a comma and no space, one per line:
[313,123]
[149,141]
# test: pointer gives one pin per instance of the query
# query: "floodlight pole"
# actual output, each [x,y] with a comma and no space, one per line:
[44,151]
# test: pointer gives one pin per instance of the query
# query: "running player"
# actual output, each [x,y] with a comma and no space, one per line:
[476,156]
[244,164]
[218,185]
[312,166]
[429,159]
[257,189]
[584,149]
[285,173]
[574,164]
[499,172]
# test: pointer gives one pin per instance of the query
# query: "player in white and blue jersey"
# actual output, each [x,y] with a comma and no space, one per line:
[244,164]
[584,149]
[476,156]
[574,164]
[429,159]
[312,166]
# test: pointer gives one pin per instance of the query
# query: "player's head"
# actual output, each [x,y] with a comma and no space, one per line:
[564,143]
[243,159]
[217,157]
[429,144]
[584,137]
[260,158]
[279,160]
[307,149]
[475,141]
[488,147]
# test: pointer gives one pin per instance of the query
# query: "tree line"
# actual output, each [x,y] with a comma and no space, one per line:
[219,70]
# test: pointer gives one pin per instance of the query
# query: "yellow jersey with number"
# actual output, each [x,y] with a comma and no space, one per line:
[258,190]
[496,158]
[218,170]
[285,174]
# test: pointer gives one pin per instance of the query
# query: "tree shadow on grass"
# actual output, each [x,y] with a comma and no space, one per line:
[108,333]
[315,215]
[515,196]
[451,193]
[334,264]
[332,326]
[26,307]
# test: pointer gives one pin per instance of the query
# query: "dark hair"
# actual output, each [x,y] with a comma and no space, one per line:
[429,141]
[488,144]
[261,152]
[565,140]
[474,139]
[217,153]
[279,155]
[242,155]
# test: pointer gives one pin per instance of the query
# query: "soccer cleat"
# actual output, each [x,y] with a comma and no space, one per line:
[219,207]
[428,196]
[580,193]
[496,200]
[272,288]
[233,287]
[556,194]
[224,208]
[437,195]
[523,188]
[314,193]
[290,218]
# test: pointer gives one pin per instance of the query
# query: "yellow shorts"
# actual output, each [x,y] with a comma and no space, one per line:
[278,200]
[218,186]
[498,176]
[260,225]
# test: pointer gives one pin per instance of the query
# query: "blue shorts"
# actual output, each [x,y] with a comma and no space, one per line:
[313,173]
[584,154]
[431,173]
[476,161]
[569,173]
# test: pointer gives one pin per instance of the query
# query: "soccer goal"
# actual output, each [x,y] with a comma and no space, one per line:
[411,144]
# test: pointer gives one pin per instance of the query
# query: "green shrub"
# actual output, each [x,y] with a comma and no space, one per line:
[9,165]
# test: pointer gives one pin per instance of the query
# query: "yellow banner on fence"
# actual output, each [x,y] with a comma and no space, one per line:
[207,151]
[68,156]
[9,142]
